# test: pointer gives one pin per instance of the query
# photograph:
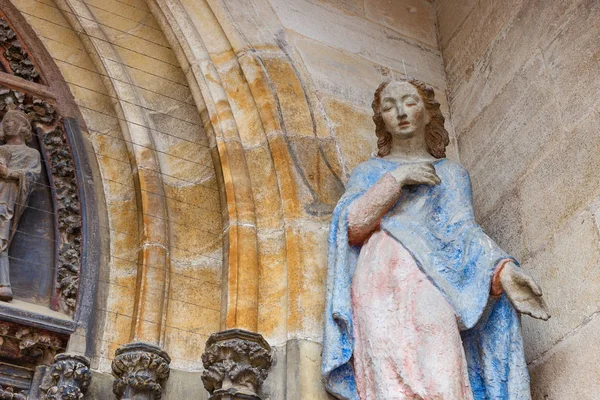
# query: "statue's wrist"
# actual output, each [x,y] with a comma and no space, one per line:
[400,178]
[496,288]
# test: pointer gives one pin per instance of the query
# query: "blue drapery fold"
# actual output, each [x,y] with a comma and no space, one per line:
[436,224]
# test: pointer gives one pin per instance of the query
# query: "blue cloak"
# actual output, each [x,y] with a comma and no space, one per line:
[437,226]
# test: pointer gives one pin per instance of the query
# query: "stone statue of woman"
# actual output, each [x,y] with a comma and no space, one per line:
[421,303]
[20,168]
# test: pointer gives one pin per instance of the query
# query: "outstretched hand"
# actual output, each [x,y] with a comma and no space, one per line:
[523,292]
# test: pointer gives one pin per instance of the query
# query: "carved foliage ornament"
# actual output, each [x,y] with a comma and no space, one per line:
[29,345]
[9,393]
[68,216]
[140,369]
[70,377]
[236,363]
[16,59]
[60,163]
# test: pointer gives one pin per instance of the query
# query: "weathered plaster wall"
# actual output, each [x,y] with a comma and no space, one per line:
[523,82]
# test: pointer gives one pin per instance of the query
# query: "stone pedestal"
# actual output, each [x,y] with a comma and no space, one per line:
[68,378]
[141,370]
[236,362]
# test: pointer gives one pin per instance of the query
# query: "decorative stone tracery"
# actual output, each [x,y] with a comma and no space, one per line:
[70,378]
[236,363]
[140,369]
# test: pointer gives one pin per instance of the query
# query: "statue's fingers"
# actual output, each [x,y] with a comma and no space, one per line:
[430,169]
[540,313]
[524,279]
[544,308]
[531,283]
[535,308]
[428,179]
[544,315]
[434,178]
[427,166]
[525,308]
[537,290]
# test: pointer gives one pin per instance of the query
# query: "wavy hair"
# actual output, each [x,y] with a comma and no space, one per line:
[436,135]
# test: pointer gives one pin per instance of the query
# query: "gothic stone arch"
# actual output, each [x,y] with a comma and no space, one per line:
[55,252]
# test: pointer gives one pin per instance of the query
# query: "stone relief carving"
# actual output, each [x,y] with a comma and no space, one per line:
[236,362]
[9,393]
[20,168]
[16,58]
[421,303]
[140,370]
[69,378]
[29,345]
[61,165]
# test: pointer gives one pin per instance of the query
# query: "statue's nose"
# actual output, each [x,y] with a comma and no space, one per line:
[401,113]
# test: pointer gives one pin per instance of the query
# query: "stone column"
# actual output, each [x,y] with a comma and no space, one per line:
[141,370]
[236,362]
[68,378]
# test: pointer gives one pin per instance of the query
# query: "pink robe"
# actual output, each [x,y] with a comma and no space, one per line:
[407,341]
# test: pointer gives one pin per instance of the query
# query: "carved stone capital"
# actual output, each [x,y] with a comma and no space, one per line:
[236,362]
[140,370]
[69,376]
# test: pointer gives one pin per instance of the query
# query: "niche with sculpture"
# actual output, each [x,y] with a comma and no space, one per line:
[421,303]
[40,222]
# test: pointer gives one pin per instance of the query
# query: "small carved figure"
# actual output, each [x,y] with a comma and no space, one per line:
[20,168]
[421,303]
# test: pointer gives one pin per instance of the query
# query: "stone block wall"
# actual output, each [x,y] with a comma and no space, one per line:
[522,82]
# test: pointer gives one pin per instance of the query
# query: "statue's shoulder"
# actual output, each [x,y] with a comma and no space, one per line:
[374,165]
[28,152]
[32,151]
[453,168]
[367,172]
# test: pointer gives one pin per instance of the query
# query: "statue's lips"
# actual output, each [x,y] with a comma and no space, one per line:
[403,124]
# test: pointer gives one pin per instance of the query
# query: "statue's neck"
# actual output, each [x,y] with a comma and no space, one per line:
[413,148]
[15,140]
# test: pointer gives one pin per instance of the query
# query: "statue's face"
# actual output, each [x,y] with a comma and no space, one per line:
[12,126]
[403,110]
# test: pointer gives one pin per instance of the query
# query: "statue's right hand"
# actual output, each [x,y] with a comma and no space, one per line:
[3,171]
[416,174]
